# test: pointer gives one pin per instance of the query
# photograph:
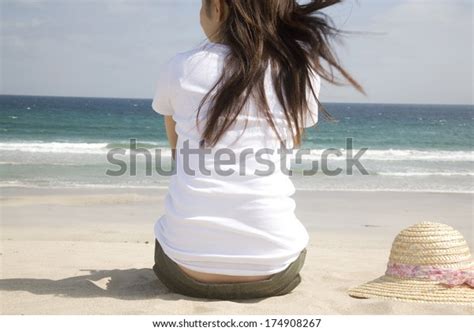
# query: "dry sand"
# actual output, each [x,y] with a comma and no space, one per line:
[78,251]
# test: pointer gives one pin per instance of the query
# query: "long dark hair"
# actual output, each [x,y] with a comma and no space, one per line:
[294,38]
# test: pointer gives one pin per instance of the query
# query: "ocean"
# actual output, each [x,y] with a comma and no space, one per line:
[63,142]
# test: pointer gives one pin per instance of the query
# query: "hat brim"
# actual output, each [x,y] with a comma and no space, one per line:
[414,290]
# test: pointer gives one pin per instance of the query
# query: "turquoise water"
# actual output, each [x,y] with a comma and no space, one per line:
[60,141]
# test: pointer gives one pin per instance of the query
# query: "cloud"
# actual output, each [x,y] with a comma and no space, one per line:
[421,52]
[418,52]
[92,48]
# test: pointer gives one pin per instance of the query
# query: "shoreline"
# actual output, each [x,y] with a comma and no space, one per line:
[11,191]
[104,188]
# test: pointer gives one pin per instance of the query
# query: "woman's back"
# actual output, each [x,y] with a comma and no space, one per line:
[231,106]
[229,209]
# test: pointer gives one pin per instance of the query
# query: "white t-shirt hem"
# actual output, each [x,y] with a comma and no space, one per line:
[225,267]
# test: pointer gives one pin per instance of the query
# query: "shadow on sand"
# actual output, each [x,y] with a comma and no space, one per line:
[128,284]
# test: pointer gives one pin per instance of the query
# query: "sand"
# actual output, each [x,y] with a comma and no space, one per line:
[90,251]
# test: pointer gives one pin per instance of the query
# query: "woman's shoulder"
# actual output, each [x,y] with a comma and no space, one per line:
[205,51]
[201,60]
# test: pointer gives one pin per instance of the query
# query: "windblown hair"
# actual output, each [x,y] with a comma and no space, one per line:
[293,38]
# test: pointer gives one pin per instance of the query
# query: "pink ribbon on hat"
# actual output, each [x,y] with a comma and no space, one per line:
[451,277]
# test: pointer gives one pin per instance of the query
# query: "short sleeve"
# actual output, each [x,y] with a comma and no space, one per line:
[313,107]
[162,100]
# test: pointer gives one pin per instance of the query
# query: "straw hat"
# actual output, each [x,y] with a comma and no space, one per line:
[429,262]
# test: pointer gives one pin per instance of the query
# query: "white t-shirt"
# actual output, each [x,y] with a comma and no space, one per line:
[241,223]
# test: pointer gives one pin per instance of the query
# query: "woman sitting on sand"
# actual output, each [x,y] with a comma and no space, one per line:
[229,230]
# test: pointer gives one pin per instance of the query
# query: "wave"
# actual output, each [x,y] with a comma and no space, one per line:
[425,174]
[394,190]
[20,184]
[404,155]
[72,148]
[54,147]
[138,145]
[104,147]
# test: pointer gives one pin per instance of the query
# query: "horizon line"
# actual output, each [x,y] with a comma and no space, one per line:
[339,102]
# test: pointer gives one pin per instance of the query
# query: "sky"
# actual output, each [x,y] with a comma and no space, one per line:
[405,51]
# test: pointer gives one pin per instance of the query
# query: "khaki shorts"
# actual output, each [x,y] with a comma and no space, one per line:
[177,281]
